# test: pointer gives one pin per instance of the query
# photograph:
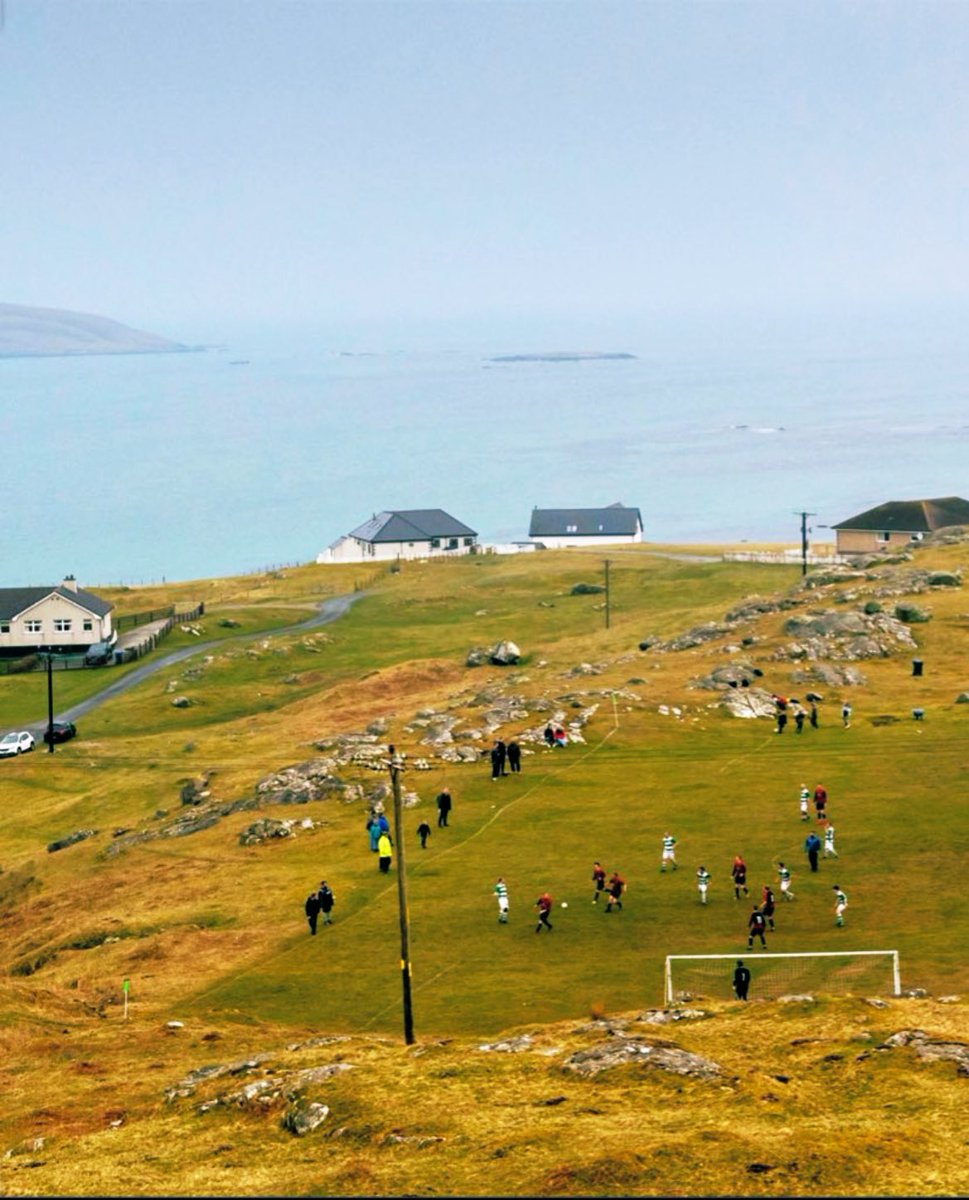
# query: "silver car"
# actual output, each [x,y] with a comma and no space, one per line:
[16,743]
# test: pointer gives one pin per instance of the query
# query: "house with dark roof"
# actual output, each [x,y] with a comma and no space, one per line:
[66,619]
[556,527]
[405,533]
[898,523]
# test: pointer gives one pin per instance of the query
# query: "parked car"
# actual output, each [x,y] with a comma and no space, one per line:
[16,743]
[60,731]
[99,654]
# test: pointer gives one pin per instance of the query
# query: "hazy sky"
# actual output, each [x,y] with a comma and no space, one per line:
[183,165]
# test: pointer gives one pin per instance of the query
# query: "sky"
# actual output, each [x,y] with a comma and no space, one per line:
[194,165]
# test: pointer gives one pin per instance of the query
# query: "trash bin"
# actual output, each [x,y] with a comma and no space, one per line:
[916,666]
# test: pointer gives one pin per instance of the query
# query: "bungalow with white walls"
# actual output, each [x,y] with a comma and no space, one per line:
[557,527]
[65,619]
[408,533]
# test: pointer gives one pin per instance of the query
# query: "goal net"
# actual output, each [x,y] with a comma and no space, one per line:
[829,973]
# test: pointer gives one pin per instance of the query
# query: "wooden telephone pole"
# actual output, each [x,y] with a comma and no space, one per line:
[396,765]
[804,539]
[606,565]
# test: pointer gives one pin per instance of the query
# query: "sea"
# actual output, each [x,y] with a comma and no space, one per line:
[260,449]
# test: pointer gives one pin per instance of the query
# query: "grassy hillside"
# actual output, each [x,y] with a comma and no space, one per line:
[210,932]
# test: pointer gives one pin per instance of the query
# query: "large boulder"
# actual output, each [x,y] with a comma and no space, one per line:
[505,654]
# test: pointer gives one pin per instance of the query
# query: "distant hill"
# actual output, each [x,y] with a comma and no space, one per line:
[54,331]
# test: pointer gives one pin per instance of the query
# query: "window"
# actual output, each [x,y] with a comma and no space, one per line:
[571,529]
[88,625]
[34,626]
[468,541]
[435,543]
[884,537]
[4,626]
[62,624]
[452,543]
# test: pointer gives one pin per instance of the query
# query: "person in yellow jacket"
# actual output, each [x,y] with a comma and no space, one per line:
[385,852]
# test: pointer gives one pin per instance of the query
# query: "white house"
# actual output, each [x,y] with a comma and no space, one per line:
[556,527]
[65,619]
[411,533]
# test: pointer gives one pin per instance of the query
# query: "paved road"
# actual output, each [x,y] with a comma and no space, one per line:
[328,611]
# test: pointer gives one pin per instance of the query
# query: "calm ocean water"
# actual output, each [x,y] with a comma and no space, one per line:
[134,469]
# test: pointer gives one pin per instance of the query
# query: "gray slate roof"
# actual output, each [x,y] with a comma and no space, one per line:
[14,601]
[911,516]
[589,522]
[411,525]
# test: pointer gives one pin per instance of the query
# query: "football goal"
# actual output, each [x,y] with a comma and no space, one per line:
[827,972]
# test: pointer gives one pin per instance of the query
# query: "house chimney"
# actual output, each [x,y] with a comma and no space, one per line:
[70,583]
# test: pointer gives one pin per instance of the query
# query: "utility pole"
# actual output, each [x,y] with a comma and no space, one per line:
[804,539]
[606,565]
[50,702]
[396,764]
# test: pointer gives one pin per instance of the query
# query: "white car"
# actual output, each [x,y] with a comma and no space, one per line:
[16,743]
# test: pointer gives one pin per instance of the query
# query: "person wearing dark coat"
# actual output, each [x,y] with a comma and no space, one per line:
[443,807]
[812,845]
[502,750]
[496,761]
[423,832]
[741,980]
[514,757]
[312,910]
[327,900]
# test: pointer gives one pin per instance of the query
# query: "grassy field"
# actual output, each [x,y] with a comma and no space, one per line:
[211,933]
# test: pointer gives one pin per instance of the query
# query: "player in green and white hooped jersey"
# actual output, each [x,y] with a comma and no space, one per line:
[805,797]
[702,882]
[840,904]
[669,852]
[501,891]
[829,850]
[784,875]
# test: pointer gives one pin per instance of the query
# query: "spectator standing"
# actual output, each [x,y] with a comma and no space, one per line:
[423,832]
[385,851]
[741,980]
[514,757]
[312,910]
[444,806]
[327,900]
[846,714]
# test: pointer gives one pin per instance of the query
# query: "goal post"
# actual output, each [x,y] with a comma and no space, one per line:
[831,972]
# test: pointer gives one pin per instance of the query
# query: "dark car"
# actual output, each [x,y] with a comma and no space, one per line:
[99,655]
[60,731]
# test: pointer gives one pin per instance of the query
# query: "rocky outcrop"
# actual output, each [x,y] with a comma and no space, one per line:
[931,1049]
[664,1056]
[844,636]
[79,835]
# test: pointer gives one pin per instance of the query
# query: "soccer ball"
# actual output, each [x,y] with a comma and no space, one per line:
[564,904]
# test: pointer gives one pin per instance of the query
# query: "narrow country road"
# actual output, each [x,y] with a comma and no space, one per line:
[327,612]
